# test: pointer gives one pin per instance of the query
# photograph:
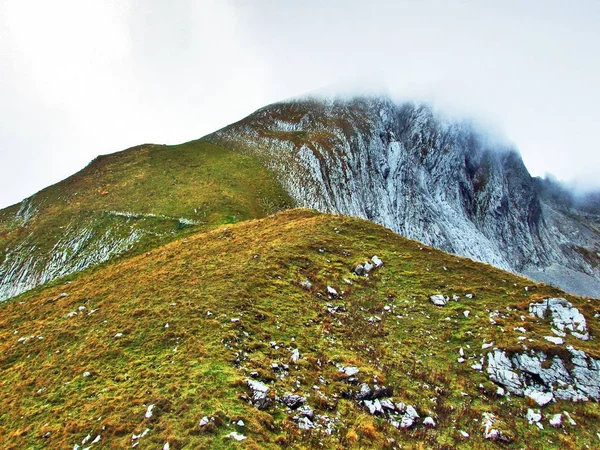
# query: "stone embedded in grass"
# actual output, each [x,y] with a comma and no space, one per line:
[438,300]
[260,394]
[409,418]
[235,435]
[470,296]
[368,267]
[118,335]
[556,420]
[429,422]
[306,285]
[555,340]
[293,401]
[295,356]
[564,316]
[534,417]
[464,434]
[203,422]
[331,291]
[466,313]
[86,374]
[540,397]
[167,446]
[378,262]
[349,371]
[148,414]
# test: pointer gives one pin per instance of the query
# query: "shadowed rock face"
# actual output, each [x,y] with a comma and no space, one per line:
[434,180]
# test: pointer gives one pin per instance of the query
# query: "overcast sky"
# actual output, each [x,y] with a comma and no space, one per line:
[79,78]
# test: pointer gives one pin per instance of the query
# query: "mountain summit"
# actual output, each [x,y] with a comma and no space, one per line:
[402,165]
[442,182]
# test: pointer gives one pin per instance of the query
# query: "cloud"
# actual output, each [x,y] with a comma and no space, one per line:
[81,78]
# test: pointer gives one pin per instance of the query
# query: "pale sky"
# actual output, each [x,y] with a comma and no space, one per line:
[79,78]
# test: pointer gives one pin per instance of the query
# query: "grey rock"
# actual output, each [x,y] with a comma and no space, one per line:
[438,300]
[564,316]
[260,394]
[293,401]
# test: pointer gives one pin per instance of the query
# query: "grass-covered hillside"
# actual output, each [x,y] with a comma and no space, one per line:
[261,335]
[128,202]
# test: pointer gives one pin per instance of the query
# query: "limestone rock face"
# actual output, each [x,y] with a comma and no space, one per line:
[439,181]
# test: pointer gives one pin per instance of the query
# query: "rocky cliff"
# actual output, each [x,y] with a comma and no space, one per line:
[439,181]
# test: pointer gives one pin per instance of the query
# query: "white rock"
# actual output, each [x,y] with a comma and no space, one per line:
[564,316]
[555,340]
[235,435]
[409,417]
[456,297]
[469,295]
[466,313]
[350,370]
[488,345]
[240,423]
[438,300]
[556,420]
[533,416]
[96,439]
[378,262]
[429,422]
[521,329]
[86,374]
[149,411]
[331,291]
[464,434]
[235,320]
[295,355]
[166,446]
[541,398]
[204,421]
[118,335]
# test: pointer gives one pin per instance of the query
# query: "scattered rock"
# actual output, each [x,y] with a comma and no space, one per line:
[235,435]
[540,397]
[359,270]
[349,371]
[331,291]
[556,420]
[409,418]
[466,313]
[439,300]
[378,262]
[293,401]
[260,394]
[533,416]
[204,421]
[295,356]
[86,374]
[306,285]
[555,340]
[149,411]
[469,295]
[564,316]
[429,422]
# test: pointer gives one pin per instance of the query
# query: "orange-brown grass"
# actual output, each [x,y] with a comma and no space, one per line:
[252,271]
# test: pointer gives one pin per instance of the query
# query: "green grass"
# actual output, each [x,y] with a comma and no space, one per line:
[251,271]
[156,186]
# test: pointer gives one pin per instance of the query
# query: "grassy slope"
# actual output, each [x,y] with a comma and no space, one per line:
[205,183]
[252,271]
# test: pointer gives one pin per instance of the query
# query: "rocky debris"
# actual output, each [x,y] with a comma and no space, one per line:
[409,418]
[366,393]
[439,300]
[204,421]
[541,378]
[367,266]
[555,340]
[295,355]
[540,397]
[378,262]
[469,296]
[148,414]
[306,285]
[86,374]
[464,434]
[564,316]
[534,417]
[293,401]
[349,371]
[374,407]
[331,292]
[235,435]
[429,422]
[260,394]
[556,420]
[492,431]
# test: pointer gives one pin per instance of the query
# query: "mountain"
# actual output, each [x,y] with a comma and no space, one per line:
[126,203]
[298,330]
[403,165]
[440,181]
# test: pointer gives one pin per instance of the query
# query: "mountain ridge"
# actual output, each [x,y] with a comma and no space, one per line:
[426,177]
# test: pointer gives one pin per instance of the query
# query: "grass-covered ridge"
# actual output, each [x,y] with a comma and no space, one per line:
[183,326]
[128,202]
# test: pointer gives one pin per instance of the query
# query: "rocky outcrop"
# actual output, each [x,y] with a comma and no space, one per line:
[438,181]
